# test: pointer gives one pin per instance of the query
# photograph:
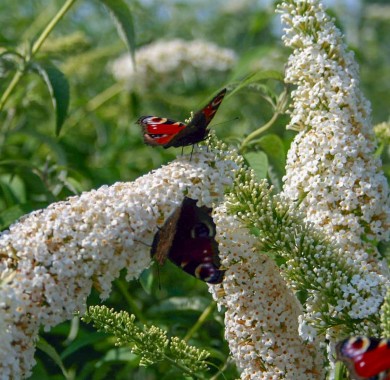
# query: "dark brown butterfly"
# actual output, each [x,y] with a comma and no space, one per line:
[159,131]
[187,239]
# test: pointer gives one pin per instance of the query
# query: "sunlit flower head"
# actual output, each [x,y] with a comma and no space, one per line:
[52,258]
[162,63]
[261,318]
[331,167]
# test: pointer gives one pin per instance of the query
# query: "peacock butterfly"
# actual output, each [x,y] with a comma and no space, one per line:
[187,239]
[165,132]
[365,357]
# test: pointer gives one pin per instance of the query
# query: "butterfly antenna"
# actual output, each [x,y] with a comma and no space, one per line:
[227,121]
[146,244]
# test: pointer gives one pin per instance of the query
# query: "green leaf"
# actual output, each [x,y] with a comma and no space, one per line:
[56,148]
[257,77]
[83,341]
[340,371]
[11,214]
[31,175]
[49,350]
[7,194]
[9,61]
[58,87]
[124,22]
[258,161]
[273,146]
[120,354]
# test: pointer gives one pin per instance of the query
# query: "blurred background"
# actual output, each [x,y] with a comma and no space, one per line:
[185,52]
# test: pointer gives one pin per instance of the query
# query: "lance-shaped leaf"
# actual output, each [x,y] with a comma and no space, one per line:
[258,161]
[257,77]
[58,87]
[48,349]
[124,22]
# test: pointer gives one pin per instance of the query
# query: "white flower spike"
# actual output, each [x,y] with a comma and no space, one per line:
[51,258]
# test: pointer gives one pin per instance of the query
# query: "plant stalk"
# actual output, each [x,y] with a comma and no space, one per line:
[37,45]
[200,321]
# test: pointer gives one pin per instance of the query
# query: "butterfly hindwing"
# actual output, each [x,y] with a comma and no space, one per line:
[187,239]
[165,132]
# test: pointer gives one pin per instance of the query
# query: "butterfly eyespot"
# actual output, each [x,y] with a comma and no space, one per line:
[365,357]
[176,133]
[356,346]
[157,120]
[208,272]
[155,136]
[201,230]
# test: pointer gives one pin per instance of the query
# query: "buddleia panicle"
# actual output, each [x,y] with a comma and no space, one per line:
[385,315]
[59,253]
[192,357]
[338,293]
[382,132]
[150,343]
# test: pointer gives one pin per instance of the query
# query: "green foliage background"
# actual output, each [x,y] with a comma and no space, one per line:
[99,142]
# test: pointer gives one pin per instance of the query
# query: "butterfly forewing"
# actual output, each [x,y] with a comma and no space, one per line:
[365,357]
[158,130]
[167,132]
[196,130]
[163,239]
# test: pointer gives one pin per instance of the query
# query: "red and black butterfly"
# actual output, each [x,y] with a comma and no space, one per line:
[165,132]
[187,239]
[366,358]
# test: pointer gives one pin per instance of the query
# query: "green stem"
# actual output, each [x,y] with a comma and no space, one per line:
[6,94]
[41,39]
[95,103]
[259,131]
[280,107]
[221,370]
[104,96]
[200,321]
[38,43]
[134,307]
[183,368]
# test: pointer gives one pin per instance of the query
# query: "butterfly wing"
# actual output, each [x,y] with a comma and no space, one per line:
[163,238]
[187,239]
[196,130]
[198,257]
[365,357]
[159,131]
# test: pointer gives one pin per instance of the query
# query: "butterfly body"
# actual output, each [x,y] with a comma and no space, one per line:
[187,239]
[365,357]
[168,133]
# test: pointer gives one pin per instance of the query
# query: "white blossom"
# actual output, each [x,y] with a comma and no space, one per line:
[164,62]
[331,167]
[51,258]
[332,170]
[261,318]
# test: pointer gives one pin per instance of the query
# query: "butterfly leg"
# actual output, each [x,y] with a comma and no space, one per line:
[192,151]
